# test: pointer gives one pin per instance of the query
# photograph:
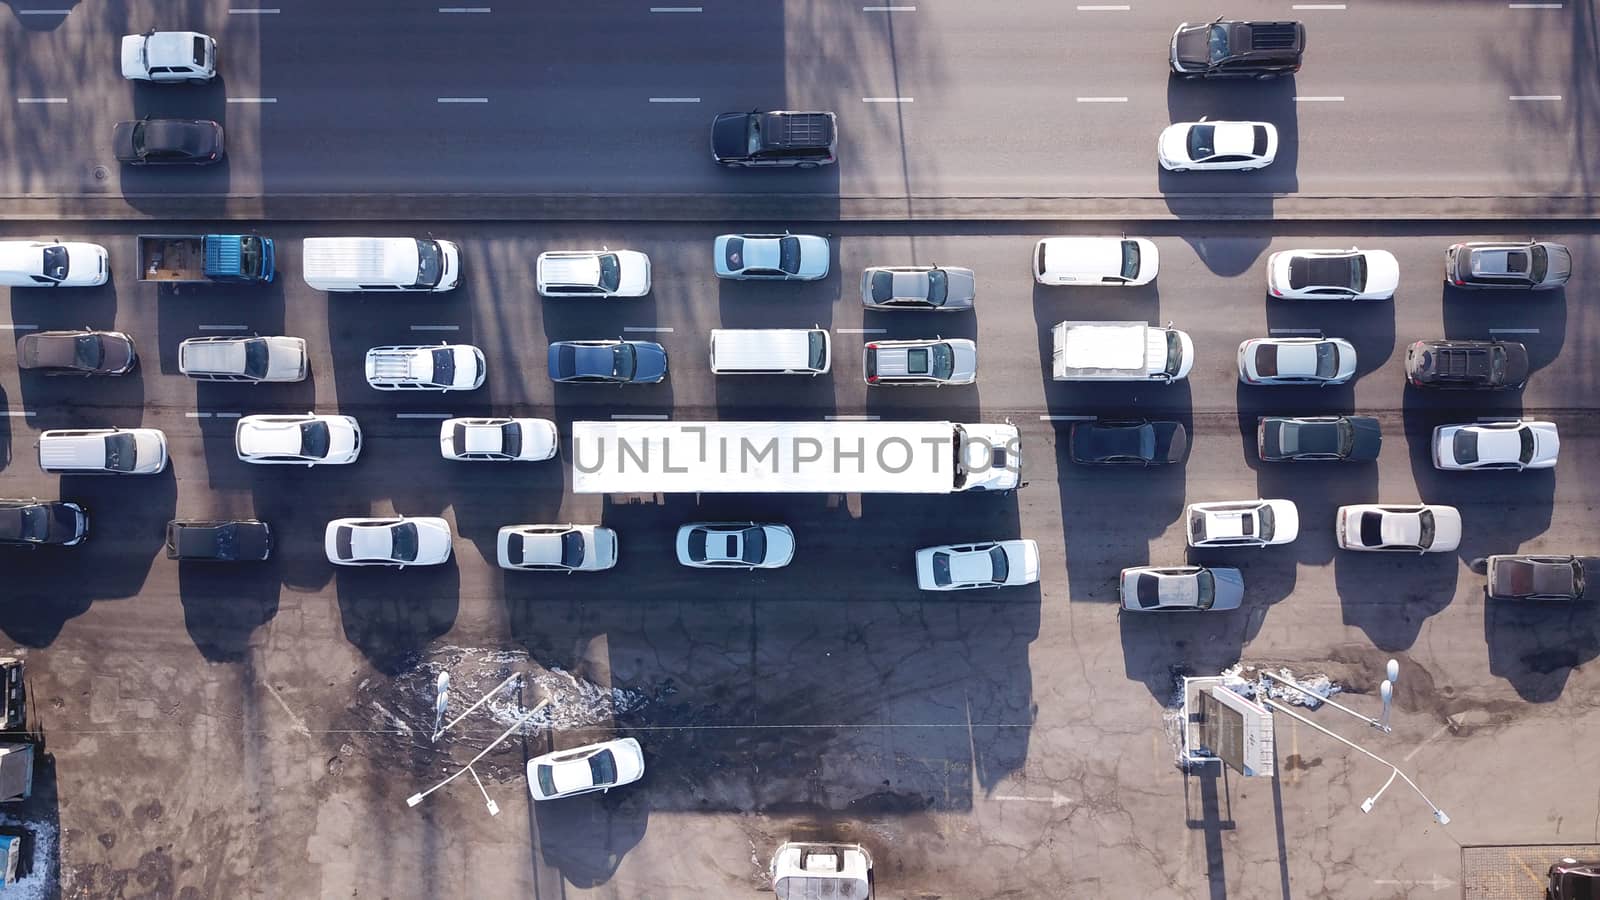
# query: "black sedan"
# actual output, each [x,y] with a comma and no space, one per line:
[1134,442]
[85,352]
[244,540]
[607,362]
[30,523]
[1574,879]
[168,142]
[1344,438]
[1527,577]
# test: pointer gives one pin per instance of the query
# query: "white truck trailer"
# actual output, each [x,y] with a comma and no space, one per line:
[1119,351]
[794,457]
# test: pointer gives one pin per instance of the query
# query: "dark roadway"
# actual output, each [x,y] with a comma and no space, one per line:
[257,707]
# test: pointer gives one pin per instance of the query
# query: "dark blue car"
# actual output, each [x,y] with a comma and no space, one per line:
[607,362]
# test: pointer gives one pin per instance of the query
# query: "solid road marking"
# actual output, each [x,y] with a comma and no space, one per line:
[650,417]
[674,99]
[436,328]
[1102,99]
[463,99]
[422,415]
[41,99]
[1535,96]
[1319,99]
[224,327]
[252,99]
[887,99]
[649,329]
[851,418]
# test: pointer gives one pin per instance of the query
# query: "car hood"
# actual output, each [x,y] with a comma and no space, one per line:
[601,551]
[1023,557]
[964,360]
[650,362]
[67,522]
[122,140]
[962,288]
[1560,266]
[1383,272]
[286,356]
[1546,444]
[1229,589]
[116,353]
[1369,439]
[1517,366]
[1191,46]
[1446,529]
[728,139]
[780,546]
[250,541]
[814,255]
[1174,143]
[635,274]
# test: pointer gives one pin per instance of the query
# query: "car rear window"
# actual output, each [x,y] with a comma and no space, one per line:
[1260,147]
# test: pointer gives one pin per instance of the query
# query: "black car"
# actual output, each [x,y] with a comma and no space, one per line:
[86,352]
[778,138]
[1131,442]
[1225,48]
[1530,577]
[607,362]
[168,142]
[1344,438]
[1467,365]
[1573,879]
[243,540]
[29,523]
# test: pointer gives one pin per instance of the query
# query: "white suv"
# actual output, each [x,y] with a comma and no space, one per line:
[593,273]
[445,367]
[116,451]
[1242,523]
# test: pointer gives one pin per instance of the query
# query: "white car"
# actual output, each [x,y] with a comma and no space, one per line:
[595,767]
[1353,274]
[1123,261]
[388,541]
[556,548]
[771,257]
[167,57]
[735,545]
[1416,527]
[53,264]
[307,440]
[988,564]
[1297,360]
[1242,523]
[443,367]
[1513,445]
[497,439]
[593,273]
[1205,146]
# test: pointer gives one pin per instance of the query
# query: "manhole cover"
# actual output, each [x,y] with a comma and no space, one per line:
[101,173]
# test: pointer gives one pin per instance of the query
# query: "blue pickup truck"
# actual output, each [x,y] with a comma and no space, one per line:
[199,258]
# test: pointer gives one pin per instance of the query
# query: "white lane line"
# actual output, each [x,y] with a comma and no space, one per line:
[19,413]
[1319,99]
[43,12]
[41,99]
[674,99]
[1319,6]
[463,99]
[436,328]
[862,330]
[1535,96]
[422,415]
[1067,418]
[645,417]
[1112,8]
[463,9]
[198,415]
[18,327]
[1295,330]
[851,418]
[224,327]
[649,329]
[1102,99]
[252,99]
[253,11]
[676,9]
[229,415]
[1513,331]
[888,9]
[887,99]
[1535,5]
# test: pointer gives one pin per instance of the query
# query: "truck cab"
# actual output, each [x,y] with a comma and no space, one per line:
[169,57]
[811,871]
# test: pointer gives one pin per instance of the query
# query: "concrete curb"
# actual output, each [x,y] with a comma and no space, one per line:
[798,207]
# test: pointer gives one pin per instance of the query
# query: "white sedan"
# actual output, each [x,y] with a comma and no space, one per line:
[299,440]
[1121,261]
[989,564]
[735,545]
[50,264]
[771,257]
[1352,274]
[1514,445]
[1217,146]
[499,440]
[1298,360]
[388,541]
[1416,527]
[556,548]
[1242,523]
[581,770]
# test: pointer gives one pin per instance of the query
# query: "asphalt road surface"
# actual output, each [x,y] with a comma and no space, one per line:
[254,731]
[1033,99]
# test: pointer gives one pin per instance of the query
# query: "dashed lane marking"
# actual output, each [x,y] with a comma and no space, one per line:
[463,99]
[1067,418]
[436,328]
[851,418]
[648,329]
[41,99]
[197,415]
[18,327]
[1536,97]
[463,9]
[224,327]
[422,415]
[1513,331]
[1319,99]
[253,11]
[887,99]
[676,9]
[19,413]
[862,330]
[643,417]
[674,99]
[1102,99]
[252,99]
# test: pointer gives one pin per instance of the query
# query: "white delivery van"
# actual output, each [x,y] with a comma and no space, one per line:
[121,451]
[770,351]
[381,264]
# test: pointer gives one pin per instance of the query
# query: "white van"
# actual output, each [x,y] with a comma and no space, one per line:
[381,264]
[770,351]
[119,451]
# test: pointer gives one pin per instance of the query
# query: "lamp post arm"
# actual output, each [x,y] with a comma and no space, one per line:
[416,798]
[1280,707]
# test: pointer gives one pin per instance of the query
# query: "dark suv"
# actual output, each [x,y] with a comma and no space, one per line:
[244,540]
[778,138]
[1226,48]
[1468,365]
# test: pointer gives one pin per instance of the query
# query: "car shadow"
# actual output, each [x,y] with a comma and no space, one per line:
[224,603]
[1535,646]
[391,615]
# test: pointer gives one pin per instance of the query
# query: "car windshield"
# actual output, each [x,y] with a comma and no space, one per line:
[120,453]
[1130,259]
[572,549]
[1000,563]
[1540,259]
[755,545]
[1526,436]
[882,286]
[404,537]
[314,439]
[430,263]
[697,544]
[511,439]
[1148,590]
[1358,272]
[789,255]
[603,768]
[138,138]
[55,262]
[753,136]
[86,351]
[255,358]
[199,52]
[1205,589]
[1197,524]
[1174,353]
[1327,359]
[941,568]
[1267,360]
[1217,44]
[1202,142]
[547,780]
[733,254]
[943,362]
[1371,528]
[444,366]
[624,360]
[1266,522]
[1466,446]
[938,287]
[610,272]
[1425,528]
[817,344]
[1347,438]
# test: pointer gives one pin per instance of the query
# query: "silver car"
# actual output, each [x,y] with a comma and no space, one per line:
[918,287]
[771,257]
[936,362]
[1181,589]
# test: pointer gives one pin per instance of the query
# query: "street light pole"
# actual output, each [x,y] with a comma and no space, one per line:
[416,798]
[439,705]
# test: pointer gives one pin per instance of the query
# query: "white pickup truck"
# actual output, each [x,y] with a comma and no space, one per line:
[169,57]
[445,367]
[1119,351]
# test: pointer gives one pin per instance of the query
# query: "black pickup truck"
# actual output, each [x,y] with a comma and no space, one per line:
[1227,48]
[1468,365]
[777,138]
